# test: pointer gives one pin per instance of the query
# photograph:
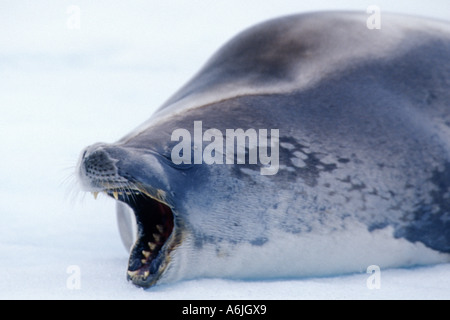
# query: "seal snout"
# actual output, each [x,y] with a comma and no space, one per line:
[97,169]
[113,170]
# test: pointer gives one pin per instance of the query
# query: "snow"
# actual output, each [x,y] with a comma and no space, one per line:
[62,89]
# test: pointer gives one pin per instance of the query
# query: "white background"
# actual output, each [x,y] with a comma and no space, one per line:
[62,89]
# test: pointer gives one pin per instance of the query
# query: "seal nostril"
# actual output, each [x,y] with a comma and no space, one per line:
[97,169]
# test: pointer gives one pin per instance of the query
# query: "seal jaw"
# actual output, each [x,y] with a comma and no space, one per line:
[156,234]
[102,169]
[150,254]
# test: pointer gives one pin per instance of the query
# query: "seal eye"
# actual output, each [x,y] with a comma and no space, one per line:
[155,222]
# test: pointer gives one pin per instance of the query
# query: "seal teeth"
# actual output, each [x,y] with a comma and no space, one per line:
[160,228]
[116,195]
[152,245]
[157,237]
[95,194]
[146,254]
[132,273]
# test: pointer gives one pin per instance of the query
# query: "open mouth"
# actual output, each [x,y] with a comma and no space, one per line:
[150,254]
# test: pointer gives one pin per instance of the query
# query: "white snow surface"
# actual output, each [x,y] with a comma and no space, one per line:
[62,89]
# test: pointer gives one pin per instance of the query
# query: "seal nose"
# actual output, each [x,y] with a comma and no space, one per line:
[98,160]
[95,166]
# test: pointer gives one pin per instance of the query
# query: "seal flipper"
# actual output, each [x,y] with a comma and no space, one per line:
[126,222]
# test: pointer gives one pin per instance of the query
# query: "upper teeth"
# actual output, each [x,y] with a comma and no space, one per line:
[160,194]
[115,193]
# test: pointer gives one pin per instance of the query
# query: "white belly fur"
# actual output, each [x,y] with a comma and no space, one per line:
[288,255]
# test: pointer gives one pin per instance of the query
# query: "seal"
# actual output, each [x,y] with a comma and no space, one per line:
[363,150]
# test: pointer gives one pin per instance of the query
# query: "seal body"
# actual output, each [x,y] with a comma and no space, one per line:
[363,147]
